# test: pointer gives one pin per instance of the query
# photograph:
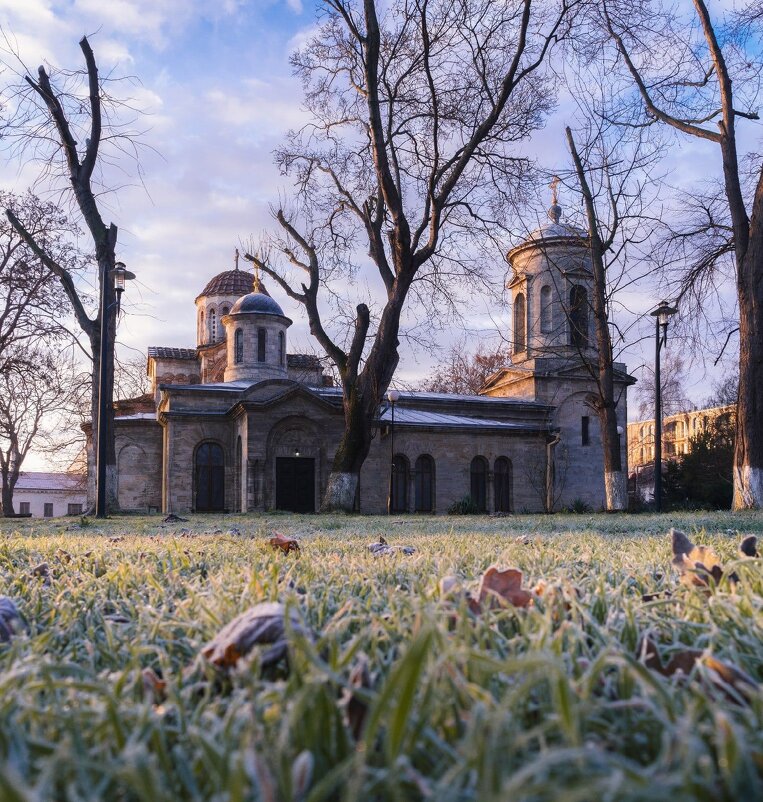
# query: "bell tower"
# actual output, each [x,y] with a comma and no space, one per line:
[551,289]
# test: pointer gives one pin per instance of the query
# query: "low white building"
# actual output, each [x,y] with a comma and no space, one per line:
[50,495]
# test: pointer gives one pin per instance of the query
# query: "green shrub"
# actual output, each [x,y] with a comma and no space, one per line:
[465,506]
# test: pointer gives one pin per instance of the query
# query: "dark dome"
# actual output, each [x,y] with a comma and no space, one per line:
[231,282]
[259,302]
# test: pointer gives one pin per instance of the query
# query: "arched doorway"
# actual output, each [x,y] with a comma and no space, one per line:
[209,468]
[424,484]
[502,484]
[479,483]
[399,484]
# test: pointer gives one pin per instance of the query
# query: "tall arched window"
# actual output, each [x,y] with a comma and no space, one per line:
[519,323]
[282,348]
[479,483]
[261,343]
[202,332]
[209,468]
[399,484]
[502,484]
[578,316]
[424,487]
[225,311]
[546,321]
[212,326]
[238,347]
[237,504]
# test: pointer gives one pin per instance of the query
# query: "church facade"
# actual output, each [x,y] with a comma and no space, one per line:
[240,424]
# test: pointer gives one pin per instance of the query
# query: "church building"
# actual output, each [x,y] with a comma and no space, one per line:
[237,423]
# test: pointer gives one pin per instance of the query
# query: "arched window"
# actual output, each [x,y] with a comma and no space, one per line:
[202,332]
[262,336]
[212,326]
[519,323]
[237,504]
[225,311]
[424,501]
[546,321]
[399,484]
[209,466]
[282,348]
[479,483]
[578,316]
[502,484]
[238,347]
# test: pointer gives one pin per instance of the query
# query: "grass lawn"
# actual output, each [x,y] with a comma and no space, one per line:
[548,702]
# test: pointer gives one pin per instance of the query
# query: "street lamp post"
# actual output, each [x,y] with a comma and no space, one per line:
[120,274]
[393,396]
[661,316]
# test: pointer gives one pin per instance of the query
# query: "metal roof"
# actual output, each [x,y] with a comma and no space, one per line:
[41,480]
[162,352]
[230,283]
[416,417]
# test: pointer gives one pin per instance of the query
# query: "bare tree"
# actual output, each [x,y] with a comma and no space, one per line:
[32,304]
[56,114]
[411,156]
[672,392]
[701,84]
[613,174]
[464,371]
[34,383]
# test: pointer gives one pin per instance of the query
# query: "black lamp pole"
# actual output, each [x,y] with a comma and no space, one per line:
[120,275]
[392,396]
[661,316]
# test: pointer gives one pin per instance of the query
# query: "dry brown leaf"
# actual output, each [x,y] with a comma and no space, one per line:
[500,587]
[724,675]
[696,564]
[285,544]
[154,684]
[383,548]
[262,624]
[10,619]
[43,570]
[749,547]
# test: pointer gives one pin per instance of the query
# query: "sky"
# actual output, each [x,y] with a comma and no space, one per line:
[216,95]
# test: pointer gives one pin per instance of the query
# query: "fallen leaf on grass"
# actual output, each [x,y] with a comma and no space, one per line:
[42,570]
[382,548]
[749,547]
[117,539]
[154,685]
[499,588]
[285,544]
[10,619]
[173,519]
[697,565]
[722,676]
[262,624]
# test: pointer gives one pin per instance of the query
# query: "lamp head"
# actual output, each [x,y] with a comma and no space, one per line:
[393,396]
[664,312]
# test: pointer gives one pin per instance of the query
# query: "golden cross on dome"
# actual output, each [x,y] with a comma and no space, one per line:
[235,260]
[256,286]
[555,190]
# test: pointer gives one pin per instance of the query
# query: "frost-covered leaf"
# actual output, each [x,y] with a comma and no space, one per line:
[262,624]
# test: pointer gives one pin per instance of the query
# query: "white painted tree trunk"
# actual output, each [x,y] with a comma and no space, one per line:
[616,491]
[748,488]
[340,492]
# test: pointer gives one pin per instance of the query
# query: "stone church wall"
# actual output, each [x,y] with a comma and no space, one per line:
[139,460]
[453,452]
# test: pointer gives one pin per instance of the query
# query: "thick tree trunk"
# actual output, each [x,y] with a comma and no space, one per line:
[7,498]
[112,498]
[360,409]
[362,398]
[748,450]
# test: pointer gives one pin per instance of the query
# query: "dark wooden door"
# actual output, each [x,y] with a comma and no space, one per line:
[210,478]
[295,484]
